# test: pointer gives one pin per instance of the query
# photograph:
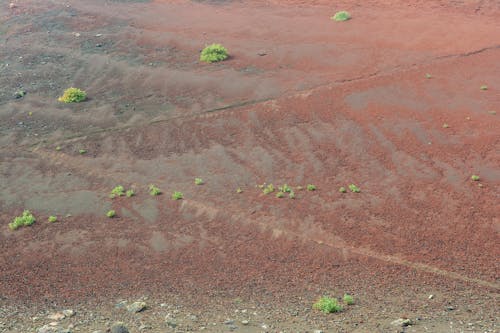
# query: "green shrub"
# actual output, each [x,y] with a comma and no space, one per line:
[348,299]
[341,16]
[82,151]
[111,213]
[130,193]
[342,189]
[354,188]
[327,305]
[177,195]
[268,189]
[198,181]
[26,219]
[285,188]
[214,53]
[475,178]
[311,187]
[73,95]
[280,195]
[153,190]
[52,219]
[118,191]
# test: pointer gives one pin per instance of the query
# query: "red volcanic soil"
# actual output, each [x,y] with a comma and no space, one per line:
[301,100]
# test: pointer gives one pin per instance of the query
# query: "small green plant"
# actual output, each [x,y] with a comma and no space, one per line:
[177,195]
[484,87]
[20,93]
[52,219]
[58,148]
[82,151]
[285,188]
[268,189]
[130,193]
[342,190]
[111,213]
[327,305]
[213,53]
[280,194]
[341,16]
[299,188]
[118,191]
[153,190]
[291,195]
[239,190]
[446,125]
[73,95]
[348,299]
[311,187]
[475,178]
[198,181]
[26,219]
[428,76]
[354,188]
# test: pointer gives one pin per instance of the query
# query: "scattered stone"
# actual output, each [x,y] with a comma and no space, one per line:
[232,327]
[171,323]
[145,327]
[450,308]
[318,331]
[193,317]
[431,296]
[401,322]
[262,53]
[119,328]
[136,307]
[12,5]
[98,45]
[46,329]
[120,304]
[229,322]
[56,316]
[492,112]
[245,322]
[68,313]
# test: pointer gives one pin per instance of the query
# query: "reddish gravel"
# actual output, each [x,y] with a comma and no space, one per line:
[328,104]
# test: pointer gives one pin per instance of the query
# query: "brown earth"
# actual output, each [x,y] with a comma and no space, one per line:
[302,100]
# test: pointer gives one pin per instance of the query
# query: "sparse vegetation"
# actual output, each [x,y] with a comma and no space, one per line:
[26,219]
[177,195]
[311,187]
[268,189]
[280,194]
[52,219]
[291,195]
[82,151]
[348,299]
[354,188]
[341,16]
[214,53]
[198,181]
[153,190]
[285,188]
[130,193]
[118,191]
[58,148]
[111,213]
[327,305]
[239,190]
[20,93]
[446,125]
[475,178]
[484,87]
[428,76]
[73,95]
[342,189]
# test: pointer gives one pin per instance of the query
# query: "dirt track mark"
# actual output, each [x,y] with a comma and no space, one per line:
[254,102]
[340,244]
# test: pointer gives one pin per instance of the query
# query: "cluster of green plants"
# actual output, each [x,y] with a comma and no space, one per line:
[111,213]
[153,190]
[73,95]
[475,178]
[198,181]
[177,195]
[330,305]
[24,220]
[119,191]
[214,53]
[52,218]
